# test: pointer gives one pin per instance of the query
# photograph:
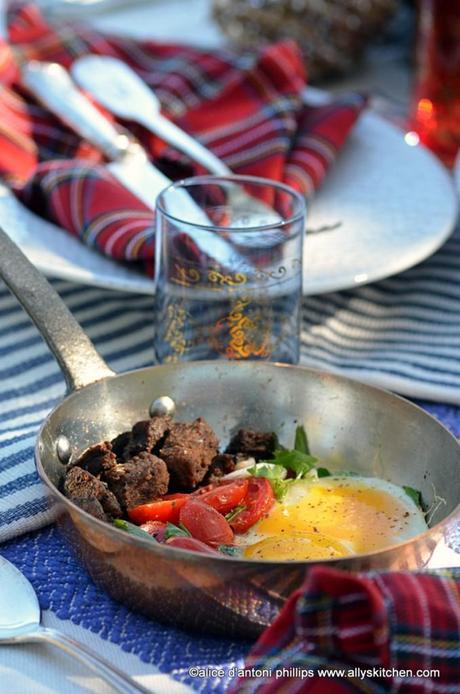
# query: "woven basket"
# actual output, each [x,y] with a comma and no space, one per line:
[331,33]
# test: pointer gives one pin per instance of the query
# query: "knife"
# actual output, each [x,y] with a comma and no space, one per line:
[52,85]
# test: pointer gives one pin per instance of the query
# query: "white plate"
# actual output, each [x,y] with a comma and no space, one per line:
[390,205]
[457,174]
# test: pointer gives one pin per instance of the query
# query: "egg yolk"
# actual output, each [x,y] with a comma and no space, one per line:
[330,520]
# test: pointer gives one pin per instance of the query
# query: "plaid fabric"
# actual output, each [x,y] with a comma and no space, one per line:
[245,108]
[359,625]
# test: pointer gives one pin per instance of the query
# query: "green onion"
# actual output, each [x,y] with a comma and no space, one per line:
[175,531]
[132,529]
[301,440]
[415,495]
[231,550]
[234,512]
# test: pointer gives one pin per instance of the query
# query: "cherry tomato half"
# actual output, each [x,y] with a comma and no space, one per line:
[205,523]
[258,501]
[165,510]
[190,543]
[226,496]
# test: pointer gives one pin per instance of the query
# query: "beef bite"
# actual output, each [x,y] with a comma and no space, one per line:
[188,451]
[85,489]
[97,459]
[119,445]
[140,480]
[145,436]
[222,464]
[253,444]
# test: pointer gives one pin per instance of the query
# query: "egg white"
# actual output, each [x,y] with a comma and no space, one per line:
[333,517]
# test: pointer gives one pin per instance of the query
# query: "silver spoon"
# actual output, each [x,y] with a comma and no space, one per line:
[120,90]
[20,623]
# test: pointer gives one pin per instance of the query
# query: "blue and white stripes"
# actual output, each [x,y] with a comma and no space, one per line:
[402,333]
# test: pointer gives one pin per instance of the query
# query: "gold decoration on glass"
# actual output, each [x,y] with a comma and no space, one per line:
[176,319]
[245,332]
[185,276]
[229,280]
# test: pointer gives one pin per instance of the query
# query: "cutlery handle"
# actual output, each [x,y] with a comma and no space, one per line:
[185,143]
[111,674]
[74,351]
[51,84]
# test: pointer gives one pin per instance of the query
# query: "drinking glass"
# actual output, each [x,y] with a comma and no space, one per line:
[436,101]
[228,270]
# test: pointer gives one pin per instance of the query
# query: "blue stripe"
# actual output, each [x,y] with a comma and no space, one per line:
[27,409]
[36,339]
[35,387]
[20,483]
[27,510]
[18,457]
[382,368]
[14,439]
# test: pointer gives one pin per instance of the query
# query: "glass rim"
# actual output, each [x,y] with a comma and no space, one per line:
[232,178]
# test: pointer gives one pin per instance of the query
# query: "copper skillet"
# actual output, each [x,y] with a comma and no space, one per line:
[350,425]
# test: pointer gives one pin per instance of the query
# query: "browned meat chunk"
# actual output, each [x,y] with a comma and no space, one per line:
[142,479]
[97,459]
[119,444]
[255,444]
[188,451]
[81,484]
[146,435]
[221,465]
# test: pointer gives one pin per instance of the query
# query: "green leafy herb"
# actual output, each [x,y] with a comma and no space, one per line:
[269,470]
[415,495]
[175,531]
[132,529]
[280,487]
[300,463]
[274,474]
[231,550]
[323,472]
[234,512]
[301,440]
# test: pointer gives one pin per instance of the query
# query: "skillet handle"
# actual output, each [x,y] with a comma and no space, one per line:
[77,357]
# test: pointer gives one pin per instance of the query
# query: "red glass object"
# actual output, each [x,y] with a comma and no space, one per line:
[435,112]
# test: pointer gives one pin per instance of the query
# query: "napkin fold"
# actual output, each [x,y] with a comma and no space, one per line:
[248,109]
[370,632]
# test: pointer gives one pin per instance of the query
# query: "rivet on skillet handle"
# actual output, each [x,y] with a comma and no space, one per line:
[162,406]
[74,351]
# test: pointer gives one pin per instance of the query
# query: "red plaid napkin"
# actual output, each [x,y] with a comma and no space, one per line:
[373,632]
[247,109]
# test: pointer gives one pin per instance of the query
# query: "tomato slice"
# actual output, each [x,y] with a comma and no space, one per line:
[191,543]
[225,497]
[258,501]
[178,495]
[205,523]
[165,510]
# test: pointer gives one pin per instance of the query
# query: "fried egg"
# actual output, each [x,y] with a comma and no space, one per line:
[333,517]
